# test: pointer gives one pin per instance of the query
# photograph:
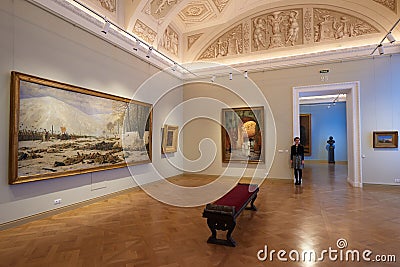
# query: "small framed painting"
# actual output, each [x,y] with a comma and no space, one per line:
[170,139]
[386,139]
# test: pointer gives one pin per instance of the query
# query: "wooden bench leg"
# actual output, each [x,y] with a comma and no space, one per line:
[229,239]
[215,225]
[252,206]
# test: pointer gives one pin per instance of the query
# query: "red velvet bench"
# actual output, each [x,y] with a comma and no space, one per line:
[222,214]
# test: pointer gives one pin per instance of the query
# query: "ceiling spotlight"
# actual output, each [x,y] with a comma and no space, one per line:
[174,67]
[213,78]
[137,44]
[381,50]
[246,75]
[230,76]
[149,52]
[390,37]
[106,27]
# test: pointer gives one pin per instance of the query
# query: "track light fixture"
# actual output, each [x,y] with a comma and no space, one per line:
[106,27]
[137,44]
[246,75]
[230,76]
[390,38]
[381,50]
[149,52]
[213,78]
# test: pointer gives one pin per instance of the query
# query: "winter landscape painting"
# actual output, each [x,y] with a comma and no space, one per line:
[58,129]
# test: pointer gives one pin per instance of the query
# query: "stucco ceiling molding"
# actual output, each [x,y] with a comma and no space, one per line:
[191,39]
[160,8]
[144,32]
[74,14]
[229,43]
[322,57]
[110,8]
[391,4]
[196,11]
[298,26]
[221,4]
[170,42]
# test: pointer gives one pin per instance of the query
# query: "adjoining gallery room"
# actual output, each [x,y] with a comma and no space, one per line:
[179,133]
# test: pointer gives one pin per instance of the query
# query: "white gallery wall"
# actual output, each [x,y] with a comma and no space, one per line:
[38,43]
[380,111]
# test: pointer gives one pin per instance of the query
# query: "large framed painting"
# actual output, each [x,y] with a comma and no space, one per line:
[242,135]
[305,133]
[169,139]
[58,129]
[386,139]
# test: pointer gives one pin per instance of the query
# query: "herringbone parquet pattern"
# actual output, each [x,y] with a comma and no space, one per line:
[133,229]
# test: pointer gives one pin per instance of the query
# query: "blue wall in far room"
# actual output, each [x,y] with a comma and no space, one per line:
[327,122]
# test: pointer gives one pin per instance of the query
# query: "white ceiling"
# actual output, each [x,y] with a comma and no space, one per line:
[252,32]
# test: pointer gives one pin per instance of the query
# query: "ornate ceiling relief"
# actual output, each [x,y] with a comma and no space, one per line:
[246,36]
[287,28]
[391,4]
[308,26]
[220,4]
[332,25]
[110,5]
[196,12]
[160,8]
[192,39]
[170,41]
[277,29]
[144,32]
[228,44]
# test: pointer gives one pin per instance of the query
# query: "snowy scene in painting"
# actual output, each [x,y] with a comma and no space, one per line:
[61,130]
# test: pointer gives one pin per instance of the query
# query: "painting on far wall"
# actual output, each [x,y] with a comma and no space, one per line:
[242,134]
[170,139]
[305,133]
[386,139]
[58,130]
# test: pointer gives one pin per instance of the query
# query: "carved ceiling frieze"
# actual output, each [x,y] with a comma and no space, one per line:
[277,29]
[192,39]
[228,44]
[109,5]
[144,32]
[333,25]
[221,4]
[160,8]
[308,25]
[391,4]
[170,41]
[287,28]
[196,12]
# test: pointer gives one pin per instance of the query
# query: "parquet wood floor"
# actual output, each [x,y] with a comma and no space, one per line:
[133,229]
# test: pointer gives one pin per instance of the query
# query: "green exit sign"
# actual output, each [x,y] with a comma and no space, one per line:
[323,71]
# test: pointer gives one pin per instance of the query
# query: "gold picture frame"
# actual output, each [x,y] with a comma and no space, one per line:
[385,139]
[170,139]
[58,130]
[305,133]
[242,133]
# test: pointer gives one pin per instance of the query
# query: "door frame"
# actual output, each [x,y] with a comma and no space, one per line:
[352,91]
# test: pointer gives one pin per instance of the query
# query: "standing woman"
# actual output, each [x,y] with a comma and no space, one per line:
[297,159]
